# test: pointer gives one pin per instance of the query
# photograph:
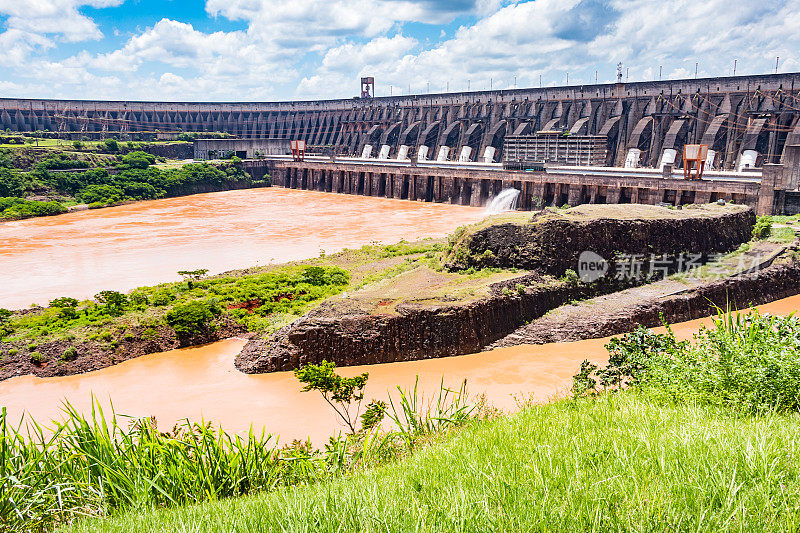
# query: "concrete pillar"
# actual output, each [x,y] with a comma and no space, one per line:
[537,196]
[397,185]
[791,163]
[612,195]
[367,183]
[771,179]
[476,200]
[447,190]
[574,195]
[702,197]
[336,182]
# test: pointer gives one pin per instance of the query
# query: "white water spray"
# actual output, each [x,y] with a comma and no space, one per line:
[505,201]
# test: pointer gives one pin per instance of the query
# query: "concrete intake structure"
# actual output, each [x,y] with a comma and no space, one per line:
[745,120]
[538,189]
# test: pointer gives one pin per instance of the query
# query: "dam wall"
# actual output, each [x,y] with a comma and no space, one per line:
[747,121]
[538,189]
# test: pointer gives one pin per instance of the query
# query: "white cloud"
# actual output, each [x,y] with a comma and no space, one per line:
[54,17]
[327,45]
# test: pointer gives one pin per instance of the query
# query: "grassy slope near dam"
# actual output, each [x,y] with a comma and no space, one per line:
[620,463]
[702,438]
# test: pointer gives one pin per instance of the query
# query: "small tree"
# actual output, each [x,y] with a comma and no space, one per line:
[190,318]
[190,276]
[67,307]
[114,301]
[339,392]
[78,145]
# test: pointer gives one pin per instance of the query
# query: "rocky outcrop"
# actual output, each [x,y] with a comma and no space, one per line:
[551,243]
[339,331]
[414,332]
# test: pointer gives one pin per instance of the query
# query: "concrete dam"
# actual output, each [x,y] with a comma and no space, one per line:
[413,146]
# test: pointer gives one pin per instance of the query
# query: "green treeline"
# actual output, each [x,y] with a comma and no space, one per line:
[134,178]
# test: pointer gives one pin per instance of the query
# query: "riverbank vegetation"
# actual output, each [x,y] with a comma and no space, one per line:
[669,435]
[113,326]
[133,177]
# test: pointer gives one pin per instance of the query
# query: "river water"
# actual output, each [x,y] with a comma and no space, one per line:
[120,248]
[81,253]
[202,382]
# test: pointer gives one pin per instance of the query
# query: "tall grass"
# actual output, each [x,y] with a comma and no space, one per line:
[614,462]
[97,465]
[100,465]
[746,361]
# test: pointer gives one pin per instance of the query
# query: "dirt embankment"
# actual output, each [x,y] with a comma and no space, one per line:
[349,334]
[104,351]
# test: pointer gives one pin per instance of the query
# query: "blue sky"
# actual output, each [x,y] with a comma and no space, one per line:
[235,50]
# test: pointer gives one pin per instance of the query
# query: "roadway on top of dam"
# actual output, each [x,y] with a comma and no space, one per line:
[708,175]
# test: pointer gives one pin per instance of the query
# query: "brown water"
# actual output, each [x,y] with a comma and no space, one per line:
[120,248]
[202,382]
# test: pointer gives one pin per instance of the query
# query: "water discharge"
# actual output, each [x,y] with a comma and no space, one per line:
[505,201]
[202,382]
[120,248]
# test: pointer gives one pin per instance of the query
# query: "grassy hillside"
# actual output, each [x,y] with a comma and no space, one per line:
[612,463]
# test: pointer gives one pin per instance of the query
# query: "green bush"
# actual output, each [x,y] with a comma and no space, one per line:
[762,228]
[191,318]
[37,358]
[111,145]
[70,354]
[19,208]
[138,160]
[162,297]
[747,361]
[114,302]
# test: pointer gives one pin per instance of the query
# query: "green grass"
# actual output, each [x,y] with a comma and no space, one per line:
[617,462]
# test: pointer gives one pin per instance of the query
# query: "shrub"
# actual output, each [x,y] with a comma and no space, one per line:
[70,354]
[570,277]
[111,145]
[161,297]
[78,145]
[37,358]
[67,307]
[748,361]
[101,194]
[138,298]
[138,159]
[338,392]
[115,302]
[13,351]
[190,318]
[762,228]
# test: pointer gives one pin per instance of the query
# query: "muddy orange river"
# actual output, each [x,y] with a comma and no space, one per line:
[120,248]
[202,382]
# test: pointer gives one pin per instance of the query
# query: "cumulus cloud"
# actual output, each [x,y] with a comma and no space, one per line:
[53,17]
[318,48]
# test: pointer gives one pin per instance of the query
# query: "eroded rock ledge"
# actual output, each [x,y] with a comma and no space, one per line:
[350,332]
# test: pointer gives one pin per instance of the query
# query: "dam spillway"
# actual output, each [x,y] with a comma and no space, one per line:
[566,186]
[742,118]
[748,123]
